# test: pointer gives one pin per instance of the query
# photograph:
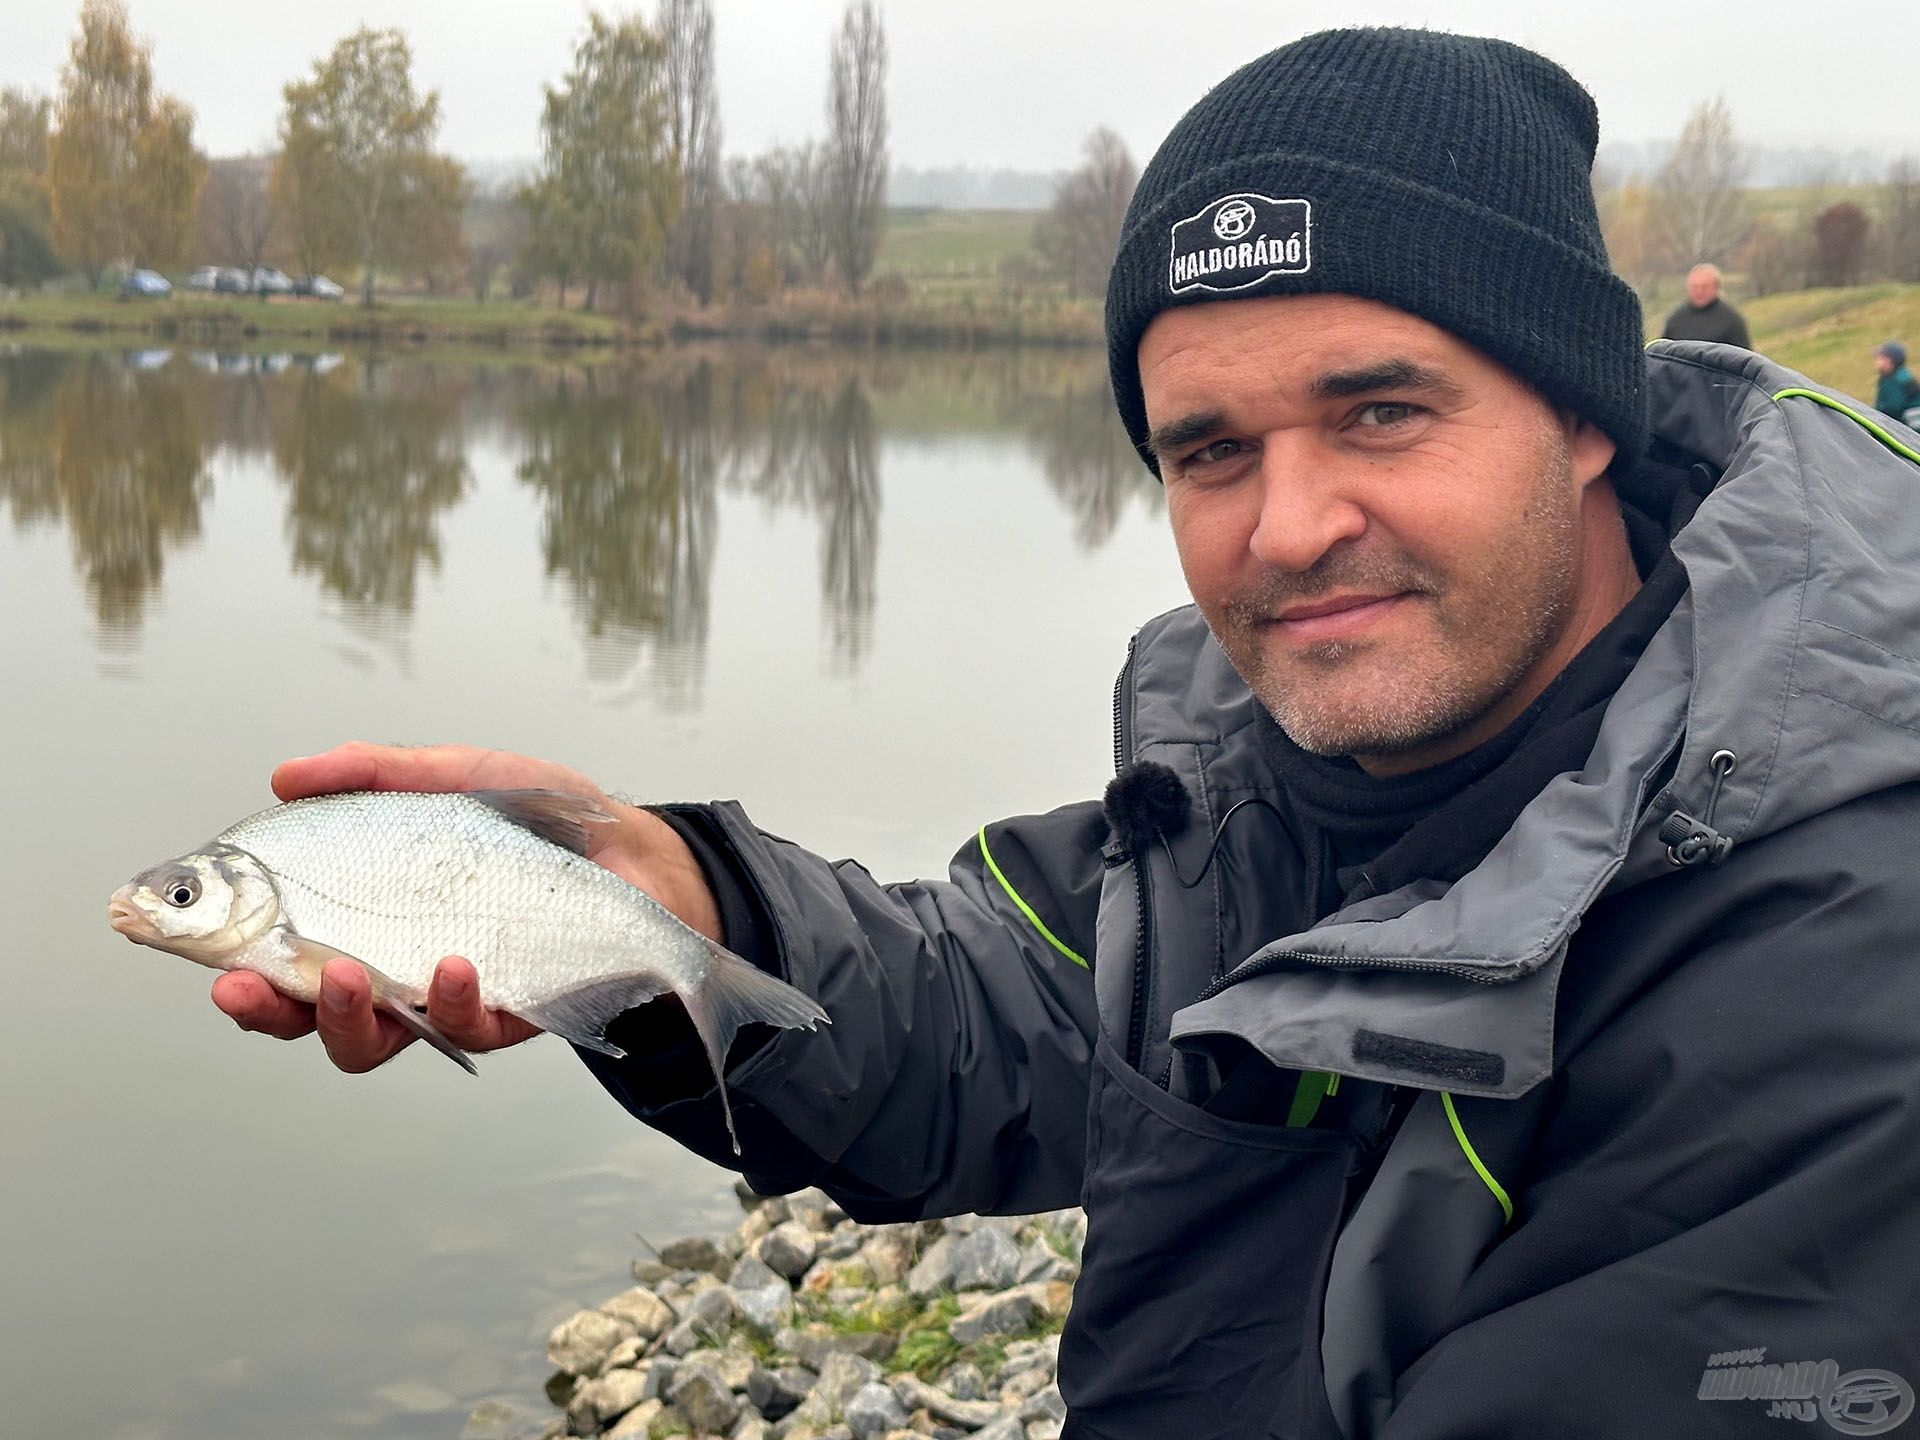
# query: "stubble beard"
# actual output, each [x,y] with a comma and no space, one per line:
[1504,617]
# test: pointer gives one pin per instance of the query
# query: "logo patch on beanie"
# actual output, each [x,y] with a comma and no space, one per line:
[1239,240]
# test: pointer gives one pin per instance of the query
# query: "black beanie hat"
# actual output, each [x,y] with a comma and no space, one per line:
[1445,175]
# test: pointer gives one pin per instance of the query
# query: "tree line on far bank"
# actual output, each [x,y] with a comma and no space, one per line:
[632,200]
[630,192]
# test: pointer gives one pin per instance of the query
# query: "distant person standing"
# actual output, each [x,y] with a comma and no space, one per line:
[1706,316]
[1899,392]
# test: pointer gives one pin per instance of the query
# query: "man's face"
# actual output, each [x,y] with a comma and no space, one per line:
[1702,286]
[1397,543]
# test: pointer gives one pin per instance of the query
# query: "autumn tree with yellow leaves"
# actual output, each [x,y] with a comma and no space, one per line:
[123,174]
[357,178]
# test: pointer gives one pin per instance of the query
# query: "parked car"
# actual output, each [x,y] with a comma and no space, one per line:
[230,281]
[207,277]
[150,284]
[265,280]
[319,287]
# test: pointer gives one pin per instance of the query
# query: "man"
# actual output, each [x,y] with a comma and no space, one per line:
[1484,1006]
[1706,316]
[1897,392]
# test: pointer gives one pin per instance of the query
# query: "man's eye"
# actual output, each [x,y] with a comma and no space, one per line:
[1216,453]
[1382,414]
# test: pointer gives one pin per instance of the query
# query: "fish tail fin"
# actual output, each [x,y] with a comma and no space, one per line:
[407,1004]
[734,994]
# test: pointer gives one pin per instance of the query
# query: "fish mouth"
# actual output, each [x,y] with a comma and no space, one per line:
[126,917]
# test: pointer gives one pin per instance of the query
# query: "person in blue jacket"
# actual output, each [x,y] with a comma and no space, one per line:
[1898,392]
[1483,1002]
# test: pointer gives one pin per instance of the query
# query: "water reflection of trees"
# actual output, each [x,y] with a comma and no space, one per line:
[369,470]
[630,515]
[628,462]
[119,457]
[816,450]
[1089,462]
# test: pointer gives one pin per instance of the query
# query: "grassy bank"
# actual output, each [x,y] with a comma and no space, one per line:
[1829,335]
[882,319]
[1826,334]
[218,319]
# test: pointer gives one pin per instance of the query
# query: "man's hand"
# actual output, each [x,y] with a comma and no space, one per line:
[637,846]
[357,1036]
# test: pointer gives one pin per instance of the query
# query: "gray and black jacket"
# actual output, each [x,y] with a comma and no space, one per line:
[1554,1147]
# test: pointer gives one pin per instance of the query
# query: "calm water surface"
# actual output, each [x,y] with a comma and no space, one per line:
[879,600]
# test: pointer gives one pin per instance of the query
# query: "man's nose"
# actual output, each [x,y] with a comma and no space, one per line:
[1306,506]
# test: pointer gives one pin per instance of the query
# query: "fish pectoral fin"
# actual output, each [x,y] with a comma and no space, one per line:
[551,814]
[581,1016]
[405,1003]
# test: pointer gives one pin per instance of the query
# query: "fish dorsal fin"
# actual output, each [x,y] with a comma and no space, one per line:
[551,814]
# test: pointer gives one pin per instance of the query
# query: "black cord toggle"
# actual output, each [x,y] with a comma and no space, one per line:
[1696,842]
[1692,842]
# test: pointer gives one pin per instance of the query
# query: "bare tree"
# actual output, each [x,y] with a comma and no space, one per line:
[693,116]
[236,219]
[1080,233]
[792,185]
[743,240]
[495,231]
[1775,259]
[857,143]
[1699,209]
[1900,220]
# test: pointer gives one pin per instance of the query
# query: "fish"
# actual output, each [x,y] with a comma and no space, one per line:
[395,880]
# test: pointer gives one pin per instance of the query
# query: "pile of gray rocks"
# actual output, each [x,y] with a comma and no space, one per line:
[804,1325]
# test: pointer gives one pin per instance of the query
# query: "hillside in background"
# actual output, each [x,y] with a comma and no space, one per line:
[968,187]
[1829,335]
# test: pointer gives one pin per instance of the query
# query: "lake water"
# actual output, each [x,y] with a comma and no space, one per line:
[878,599]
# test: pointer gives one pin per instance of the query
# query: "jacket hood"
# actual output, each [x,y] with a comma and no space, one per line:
[1795,651]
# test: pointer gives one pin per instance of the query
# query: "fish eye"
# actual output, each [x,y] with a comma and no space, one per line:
[182,891]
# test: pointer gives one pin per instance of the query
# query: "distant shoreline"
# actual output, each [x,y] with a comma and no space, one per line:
[1826,334]
[518,325]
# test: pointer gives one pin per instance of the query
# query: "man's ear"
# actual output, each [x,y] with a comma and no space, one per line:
[1589,448]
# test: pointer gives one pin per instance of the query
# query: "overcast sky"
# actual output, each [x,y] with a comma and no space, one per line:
[1010,83]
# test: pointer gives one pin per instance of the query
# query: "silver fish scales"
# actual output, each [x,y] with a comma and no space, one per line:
[396,880]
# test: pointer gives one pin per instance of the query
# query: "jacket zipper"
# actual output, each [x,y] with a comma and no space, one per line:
[1142,894]
[1121,739]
